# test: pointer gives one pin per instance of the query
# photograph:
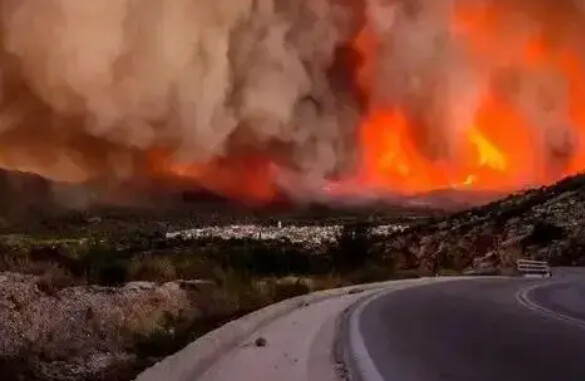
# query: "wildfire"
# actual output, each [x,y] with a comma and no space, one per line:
[508,140]
[514,125]
[489,155]
[314,98]
[245,178]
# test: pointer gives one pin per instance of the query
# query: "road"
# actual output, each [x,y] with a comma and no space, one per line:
[299,345]
[485,330]
[301,340]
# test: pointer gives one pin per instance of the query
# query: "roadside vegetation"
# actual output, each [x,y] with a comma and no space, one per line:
[228,278]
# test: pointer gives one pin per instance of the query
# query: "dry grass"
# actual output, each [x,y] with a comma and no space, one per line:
[328,281]
[152,269]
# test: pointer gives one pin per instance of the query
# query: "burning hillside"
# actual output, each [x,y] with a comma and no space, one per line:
[248,98]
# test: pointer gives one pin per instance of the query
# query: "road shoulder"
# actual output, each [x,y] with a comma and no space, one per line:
[298,346]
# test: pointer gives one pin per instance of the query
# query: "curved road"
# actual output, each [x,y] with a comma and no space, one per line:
[484,330]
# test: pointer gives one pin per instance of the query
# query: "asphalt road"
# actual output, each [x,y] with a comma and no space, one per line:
[484,330]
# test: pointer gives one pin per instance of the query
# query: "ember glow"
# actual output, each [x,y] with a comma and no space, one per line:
[323,98]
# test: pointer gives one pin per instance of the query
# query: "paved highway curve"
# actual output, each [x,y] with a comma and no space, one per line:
[479,330]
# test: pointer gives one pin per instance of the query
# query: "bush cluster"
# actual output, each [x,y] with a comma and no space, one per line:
[150,256]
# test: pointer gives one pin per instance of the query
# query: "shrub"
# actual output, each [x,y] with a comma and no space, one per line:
[571,254]
[328,281]
[158,342]
[371,272]
[544,232]
[354,247]
[237,292]
[105,266]
[286,289]
[55,279]
[267,258]
[153,268]
[16,261]
[193,266]
[112,274]
[18,367]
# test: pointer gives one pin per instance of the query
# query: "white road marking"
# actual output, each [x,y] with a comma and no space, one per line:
[523,297]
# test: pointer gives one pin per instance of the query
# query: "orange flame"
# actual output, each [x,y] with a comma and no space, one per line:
[489,155]
[502,149]
[248,178]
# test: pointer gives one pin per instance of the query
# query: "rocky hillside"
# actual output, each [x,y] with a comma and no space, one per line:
[88,332]
[544,223]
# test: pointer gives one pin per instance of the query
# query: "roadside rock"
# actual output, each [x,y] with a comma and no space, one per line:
[260,342]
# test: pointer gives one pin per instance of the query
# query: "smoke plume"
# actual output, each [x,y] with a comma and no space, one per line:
[89,87]
[100,89]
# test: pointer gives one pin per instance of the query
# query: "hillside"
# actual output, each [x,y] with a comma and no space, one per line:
[545,223]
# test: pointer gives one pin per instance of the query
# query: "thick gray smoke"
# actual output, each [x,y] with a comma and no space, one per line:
[88,84]
[89,88]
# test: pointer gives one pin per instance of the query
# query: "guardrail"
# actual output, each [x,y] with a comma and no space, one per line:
[532,268]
